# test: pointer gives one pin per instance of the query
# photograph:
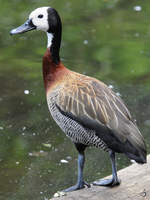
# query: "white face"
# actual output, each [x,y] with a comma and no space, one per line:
[40,18]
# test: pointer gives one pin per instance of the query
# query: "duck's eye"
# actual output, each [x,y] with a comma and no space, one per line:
[40,16]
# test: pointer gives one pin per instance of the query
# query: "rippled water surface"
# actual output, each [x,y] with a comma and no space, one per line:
[109,40]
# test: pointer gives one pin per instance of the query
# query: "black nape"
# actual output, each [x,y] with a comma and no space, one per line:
[55,27]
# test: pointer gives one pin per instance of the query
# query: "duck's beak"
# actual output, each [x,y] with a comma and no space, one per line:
[27,26]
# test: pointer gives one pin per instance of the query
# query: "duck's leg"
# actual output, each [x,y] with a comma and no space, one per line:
[110,182]
[81,159]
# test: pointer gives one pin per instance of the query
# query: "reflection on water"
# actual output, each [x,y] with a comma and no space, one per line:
[106,39]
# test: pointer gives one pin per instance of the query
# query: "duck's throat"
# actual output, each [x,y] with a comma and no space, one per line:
[53,43]
[49,39]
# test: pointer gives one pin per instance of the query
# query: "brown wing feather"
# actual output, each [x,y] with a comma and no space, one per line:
[92,98]
[87,98]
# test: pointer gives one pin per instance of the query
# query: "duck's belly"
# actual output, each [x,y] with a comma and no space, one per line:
[75,131]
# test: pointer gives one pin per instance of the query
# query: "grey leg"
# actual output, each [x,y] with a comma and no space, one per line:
[110,182]
[80,182]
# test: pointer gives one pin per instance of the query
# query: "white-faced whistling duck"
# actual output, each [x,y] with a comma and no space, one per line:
[89,112]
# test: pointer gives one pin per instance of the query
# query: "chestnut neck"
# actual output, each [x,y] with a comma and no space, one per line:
[51,71]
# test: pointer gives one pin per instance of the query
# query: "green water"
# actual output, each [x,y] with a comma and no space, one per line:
[106,39]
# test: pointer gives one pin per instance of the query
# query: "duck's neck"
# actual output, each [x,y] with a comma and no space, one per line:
[52,72]
[53,43]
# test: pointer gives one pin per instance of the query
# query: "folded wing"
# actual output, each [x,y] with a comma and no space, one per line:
[92,104]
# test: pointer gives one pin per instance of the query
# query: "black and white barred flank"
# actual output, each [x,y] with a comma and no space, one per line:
[75,131]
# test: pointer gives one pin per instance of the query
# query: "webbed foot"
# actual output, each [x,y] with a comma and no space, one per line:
[107,182]
[78,186]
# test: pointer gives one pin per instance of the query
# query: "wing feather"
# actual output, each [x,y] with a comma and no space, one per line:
[93,100]
[95,105]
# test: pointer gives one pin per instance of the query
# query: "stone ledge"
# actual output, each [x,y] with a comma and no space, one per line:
[135,185]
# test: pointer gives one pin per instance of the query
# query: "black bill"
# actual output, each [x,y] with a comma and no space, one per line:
[27,26]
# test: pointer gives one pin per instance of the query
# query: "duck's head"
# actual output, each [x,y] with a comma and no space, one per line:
[47,20]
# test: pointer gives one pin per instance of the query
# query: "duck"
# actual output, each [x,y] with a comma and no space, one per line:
[86,109]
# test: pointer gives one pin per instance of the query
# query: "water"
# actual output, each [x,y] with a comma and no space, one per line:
[109,40]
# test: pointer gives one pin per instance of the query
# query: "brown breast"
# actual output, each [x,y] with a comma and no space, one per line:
[52,74]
